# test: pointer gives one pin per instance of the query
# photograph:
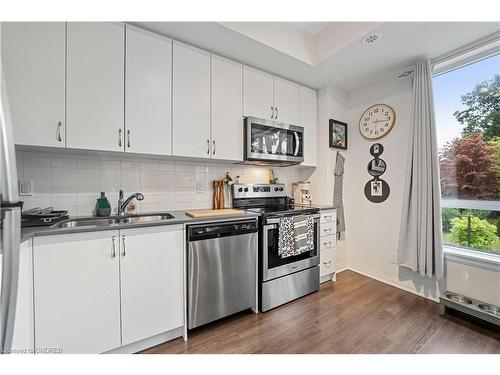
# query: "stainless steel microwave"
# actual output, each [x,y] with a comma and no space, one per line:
[270,142]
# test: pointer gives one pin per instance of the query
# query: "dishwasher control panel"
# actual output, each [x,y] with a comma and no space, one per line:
[224,229]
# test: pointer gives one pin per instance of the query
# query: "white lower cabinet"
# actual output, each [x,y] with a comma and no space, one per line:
[98,291]
[151,281]
[77,292]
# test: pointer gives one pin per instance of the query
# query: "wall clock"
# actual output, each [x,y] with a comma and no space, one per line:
[377,121]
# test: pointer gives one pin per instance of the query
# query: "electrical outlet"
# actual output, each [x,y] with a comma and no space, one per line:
[25,187]
[199,187]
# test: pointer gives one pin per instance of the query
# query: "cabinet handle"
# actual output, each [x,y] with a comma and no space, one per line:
[128,138]
[208,146]
[113,248]
[329,230]
[119,138]
[213,151]
[328,264]
[123,242]
[59,137]
[328,218]
[272,112]
[276,117]
[327,243]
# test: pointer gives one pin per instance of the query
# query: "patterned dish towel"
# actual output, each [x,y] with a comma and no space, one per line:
[296,235]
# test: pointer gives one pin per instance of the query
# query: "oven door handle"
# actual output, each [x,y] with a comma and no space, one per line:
[277,220]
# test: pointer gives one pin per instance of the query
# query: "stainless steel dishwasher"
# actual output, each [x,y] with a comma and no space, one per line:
[222,270]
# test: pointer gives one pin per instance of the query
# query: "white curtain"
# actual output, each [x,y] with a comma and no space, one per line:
[420,246]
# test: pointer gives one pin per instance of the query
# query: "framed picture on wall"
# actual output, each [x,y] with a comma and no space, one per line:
[338,134]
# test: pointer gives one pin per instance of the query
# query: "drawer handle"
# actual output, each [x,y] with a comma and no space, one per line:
[327,244]
[328,264]
[113,248]
[119,138]
[328,218]
[329,230]
[128,138]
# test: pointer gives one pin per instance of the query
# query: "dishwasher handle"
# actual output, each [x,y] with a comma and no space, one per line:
[217,230]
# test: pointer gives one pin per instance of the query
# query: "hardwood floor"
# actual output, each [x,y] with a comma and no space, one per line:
[354,315]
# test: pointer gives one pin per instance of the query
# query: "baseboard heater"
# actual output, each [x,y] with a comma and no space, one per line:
[470,306]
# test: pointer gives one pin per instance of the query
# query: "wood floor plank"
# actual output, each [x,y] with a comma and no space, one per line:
[356,314]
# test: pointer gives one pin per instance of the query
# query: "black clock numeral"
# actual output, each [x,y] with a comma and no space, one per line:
[375,110]
[386,124]
[381,130]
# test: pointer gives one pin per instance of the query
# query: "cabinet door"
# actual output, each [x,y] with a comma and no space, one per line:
[227,111]
[24,336]
[308,119]
[33,58]
[77,292]
[191,101]
[286,101]
[258,94]
[152,269]
[95,86]
[148,88]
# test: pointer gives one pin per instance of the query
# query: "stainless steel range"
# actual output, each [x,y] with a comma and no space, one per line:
[280,279]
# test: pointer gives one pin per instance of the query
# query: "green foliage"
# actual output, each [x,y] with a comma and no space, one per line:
[447,215]
[482,113]
[482,233]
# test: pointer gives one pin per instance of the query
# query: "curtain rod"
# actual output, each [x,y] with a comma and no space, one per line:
[470,47]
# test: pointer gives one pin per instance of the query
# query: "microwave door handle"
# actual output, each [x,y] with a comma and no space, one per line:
[296,143]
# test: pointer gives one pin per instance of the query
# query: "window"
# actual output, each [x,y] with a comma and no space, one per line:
[467,105]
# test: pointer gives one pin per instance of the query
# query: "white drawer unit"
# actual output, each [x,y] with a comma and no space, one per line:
[327,263]
[328,241]
[327,229]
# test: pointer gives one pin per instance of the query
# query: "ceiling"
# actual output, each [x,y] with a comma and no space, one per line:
[317,54]
[311,28]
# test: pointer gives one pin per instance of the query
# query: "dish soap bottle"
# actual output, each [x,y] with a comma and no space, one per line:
[103,208]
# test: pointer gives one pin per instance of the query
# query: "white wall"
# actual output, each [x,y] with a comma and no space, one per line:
[72,181]
[372,230]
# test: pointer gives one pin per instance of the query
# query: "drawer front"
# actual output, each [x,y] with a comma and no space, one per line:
[327,242]
[328,216]
[327,262]
[327,229]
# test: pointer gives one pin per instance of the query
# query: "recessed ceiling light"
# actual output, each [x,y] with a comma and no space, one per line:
[371,39]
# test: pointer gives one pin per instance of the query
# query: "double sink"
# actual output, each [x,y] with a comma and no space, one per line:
[113,220]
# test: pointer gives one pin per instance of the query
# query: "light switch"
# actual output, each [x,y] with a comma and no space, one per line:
[25,187]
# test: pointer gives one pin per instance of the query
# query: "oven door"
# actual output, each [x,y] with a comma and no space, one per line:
[273,265]
[273,141]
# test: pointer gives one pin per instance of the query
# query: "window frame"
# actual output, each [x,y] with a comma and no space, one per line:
[469,54]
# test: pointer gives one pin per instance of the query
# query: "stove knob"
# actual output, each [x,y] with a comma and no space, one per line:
[240,189]
[281,189]
[276,189]
[246,189]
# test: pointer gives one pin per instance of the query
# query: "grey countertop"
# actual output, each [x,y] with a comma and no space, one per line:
[180,217]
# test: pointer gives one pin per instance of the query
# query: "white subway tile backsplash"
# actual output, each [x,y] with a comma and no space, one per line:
[73,182]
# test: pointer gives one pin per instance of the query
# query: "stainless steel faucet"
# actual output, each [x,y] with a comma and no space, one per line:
[122,204]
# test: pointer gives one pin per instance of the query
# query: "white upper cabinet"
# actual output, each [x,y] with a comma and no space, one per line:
[152,281]
[148,93]
[308,119]
[227,111]
[258,93]
[95,86]
[77,292]
[33,58]
[286,101]
[191,101]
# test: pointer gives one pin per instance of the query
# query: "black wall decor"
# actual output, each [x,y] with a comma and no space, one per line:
[337,134]
[376,190]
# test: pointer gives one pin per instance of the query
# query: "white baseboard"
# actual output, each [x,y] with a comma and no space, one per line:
[149,342]
[373,274]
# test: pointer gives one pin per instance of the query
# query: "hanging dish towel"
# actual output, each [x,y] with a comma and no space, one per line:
[338,201]
[296,235]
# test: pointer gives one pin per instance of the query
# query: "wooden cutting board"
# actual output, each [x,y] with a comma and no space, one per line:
[208,213]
